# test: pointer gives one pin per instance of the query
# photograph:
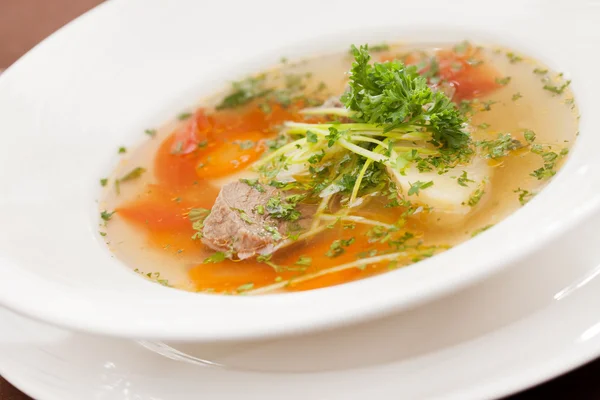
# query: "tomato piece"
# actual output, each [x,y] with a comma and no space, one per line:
[466,73]
[469,79]
[192,135]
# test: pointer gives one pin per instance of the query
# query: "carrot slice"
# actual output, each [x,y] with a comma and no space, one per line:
[231,156]
[229,275]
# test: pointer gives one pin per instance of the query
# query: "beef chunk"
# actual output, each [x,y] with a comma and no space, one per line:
[252,219]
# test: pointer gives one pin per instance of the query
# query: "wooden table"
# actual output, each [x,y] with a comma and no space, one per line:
[23,23]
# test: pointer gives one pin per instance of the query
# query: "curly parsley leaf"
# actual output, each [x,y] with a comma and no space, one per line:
[393,95]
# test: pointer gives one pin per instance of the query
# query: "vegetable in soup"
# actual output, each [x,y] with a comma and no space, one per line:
[338,168]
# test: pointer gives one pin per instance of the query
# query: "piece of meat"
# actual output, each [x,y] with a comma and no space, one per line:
[239,221]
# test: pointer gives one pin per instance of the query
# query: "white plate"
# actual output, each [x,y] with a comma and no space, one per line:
[128,65]
[528,324]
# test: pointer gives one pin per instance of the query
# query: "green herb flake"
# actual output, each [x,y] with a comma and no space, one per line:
[483,126]
[513,58]
[197,214]
[283,208]
[122,150]
[417,186]
[463,180]
[516,96]
[529,136]
[245,287]
[376,48]
[474,62]
[557,89]
[254,184]
[183,116]
[304,260]
[481,230]
[245,91]
[243,215]
[499,147]
[338,246]
[133,174]
[487,105]
[150,132]
[311,137]
[524,195]
[217,257]
[274,232]
[102,234]
[476,197]
[503,81]
[106,216]
[103,182]
[540,71]
[462,47]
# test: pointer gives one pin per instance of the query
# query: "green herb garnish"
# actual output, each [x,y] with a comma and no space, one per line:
[417,186]
[106,216]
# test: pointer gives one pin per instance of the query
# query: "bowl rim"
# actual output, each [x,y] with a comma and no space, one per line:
[70,308]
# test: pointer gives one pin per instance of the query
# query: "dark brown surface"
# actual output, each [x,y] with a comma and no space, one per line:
[23,23]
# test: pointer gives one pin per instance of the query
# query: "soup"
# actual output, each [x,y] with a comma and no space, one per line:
[338,168]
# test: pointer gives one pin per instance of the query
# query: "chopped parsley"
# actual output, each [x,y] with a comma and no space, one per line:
[529,136]
[513,58]
[476,197]
[216,257]
[243,215]
[499,147]
[557,89]
[481,230]
[183,116]
[311,137]
[516,96]
[463,180]
[549,158]
[106,216]
[244,92]
[274,232]
[524,195]
[122,150]
[244,287]
[197,216]
[338,246]
[389,94]
[304,260]
[487,105]
[379,47]
[133,174]
[103,182]
[150,132]
[283,208]
[254,184]
[417,186]
[540,71]
[503,81]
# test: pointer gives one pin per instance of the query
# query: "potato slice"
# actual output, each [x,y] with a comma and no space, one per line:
[446,196]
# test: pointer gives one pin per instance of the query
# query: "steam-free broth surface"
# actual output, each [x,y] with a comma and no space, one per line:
[159,190]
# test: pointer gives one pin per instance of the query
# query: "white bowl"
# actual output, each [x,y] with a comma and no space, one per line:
[100,81]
